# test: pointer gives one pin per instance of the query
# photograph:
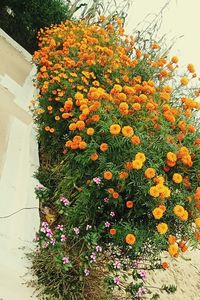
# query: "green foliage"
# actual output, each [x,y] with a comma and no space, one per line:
[22,19]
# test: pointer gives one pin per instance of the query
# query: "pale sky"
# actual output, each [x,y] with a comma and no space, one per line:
[181,17]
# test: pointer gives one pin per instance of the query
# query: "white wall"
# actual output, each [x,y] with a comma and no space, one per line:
[18,161]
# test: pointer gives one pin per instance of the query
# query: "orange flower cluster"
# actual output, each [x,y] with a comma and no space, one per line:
[114,108]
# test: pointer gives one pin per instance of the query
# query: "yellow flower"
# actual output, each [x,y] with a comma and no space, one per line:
[115,129]
[184,217]
[149,173]
[173,249]
[127,131]
[162,228]
[179,210]
[191,68]
[159,179]
[177,178]
[184,81]
[137,164]
[140,156]
[197,222]
[154,192]
[171,156]
[157,213]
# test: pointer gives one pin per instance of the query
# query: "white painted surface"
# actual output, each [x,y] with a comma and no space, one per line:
[18,162]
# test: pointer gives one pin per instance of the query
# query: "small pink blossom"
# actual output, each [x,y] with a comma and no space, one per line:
[87,272]
[106,200]
[60,227]
[65,201]
[107,224]
[97,180]
[93,256]
[76,230]
[98,248]
[117,264]
[63,238]
[117,280]
[65,260]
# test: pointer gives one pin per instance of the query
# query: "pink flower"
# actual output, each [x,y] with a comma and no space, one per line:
[87,272]
[93,256]
[117,280]
[76,230]
[143,275]
[98,248]
[117,264]
[97,180]
[60,227]
[65,201]
[107,224]
[63,238]
[106,200]
[65,260]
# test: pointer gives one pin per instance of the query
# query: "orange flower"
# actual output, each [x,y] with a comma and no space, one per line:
[184,248]
[80,125]
[173,249]
[165,265]
[171,163]
[113,231]
[174,59]
[162,228]
[197,235]
[157,213]
[72,127]
[149,173]
[94,156]
[130,239]
[107,175]
[104,147]
[162,207]
[115,195]
[171,239]
[135,140]
[77,138]
[123,175]
[115,129]
[95,118]
[191,68]
[47,128]
[177,178]
[90,131]
[110,190]
[129,204]
[127,131]
[82,145]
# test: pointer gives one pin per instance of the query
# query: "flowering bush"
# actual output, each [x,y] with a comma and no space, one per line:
[118,127]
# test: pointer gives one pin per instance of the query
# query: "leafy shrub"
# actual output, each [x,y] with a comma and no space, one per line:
[22,19]
[120,125]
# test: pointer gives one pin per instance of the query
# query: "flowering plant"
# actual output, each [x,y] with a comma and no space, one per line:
[118,126]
